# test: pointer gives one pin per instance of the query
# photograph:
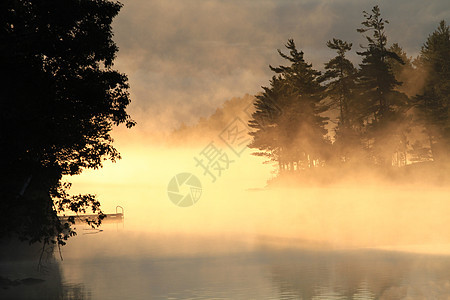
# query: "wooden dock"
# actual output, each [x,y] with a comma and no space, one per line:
[110,218]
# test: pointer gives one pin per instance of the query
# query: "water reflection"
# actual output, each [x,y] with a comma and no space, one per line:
[256,272]
[193,270]
[26,279]
[361,274]
[28,273]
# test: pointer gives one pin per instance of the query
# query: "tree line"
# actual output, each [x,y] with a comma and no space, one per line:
[390,110]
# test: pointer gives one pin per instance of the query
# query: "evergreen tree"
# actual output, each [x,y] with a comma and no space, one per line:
[404,71]
[265,122]
[340,76]
[297,136]
[433,104]
[408,75]
[382,106]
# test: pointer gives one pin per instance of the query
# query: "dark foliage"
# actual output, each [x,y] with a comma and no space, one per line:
[289,127]
[379,122]
[60,99]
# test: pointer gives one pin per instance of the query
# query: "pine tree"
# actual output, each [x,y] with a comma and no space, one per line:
[296,137]
[404,71]
[382,105]
[433,104]
[340,76]
[265,122]
[408,75]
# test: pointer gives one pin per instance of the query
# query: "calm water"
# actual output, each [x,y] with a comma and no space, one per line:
[290,244]
[117,264]
[267,275]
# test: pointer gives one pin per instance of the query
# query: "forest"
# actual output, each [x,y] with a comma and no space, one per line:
[388,112]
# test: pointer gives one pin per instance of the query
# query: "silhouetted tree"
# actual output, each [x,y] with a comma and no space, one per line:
[340,74]
[382,105]
[340,77]
[408,75]
[433,104]
[60,99]
[265,121]
[375,114]
[297,135]
[404,71]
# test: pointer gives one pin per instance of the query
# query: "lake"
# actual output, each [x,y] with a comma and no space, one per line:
[243,241]
[256,244]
